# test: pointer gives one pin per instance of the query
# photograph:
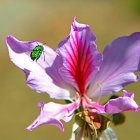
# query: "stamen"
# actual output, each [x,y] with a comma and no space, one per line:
[83,102]
[77,95]
[100,93]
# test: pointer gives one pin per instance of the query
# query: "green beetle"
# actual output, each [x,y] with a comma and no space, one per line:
[36,52]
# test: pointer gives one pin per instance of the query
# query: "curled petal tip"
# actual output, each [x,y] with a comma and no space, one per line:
[28,129]
[78,26]
[74,27]
[41,104]
[137,109]
[8,38]
[74,18]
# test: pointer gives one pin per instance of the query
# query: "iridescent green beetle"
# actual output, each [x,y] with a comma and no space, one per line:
[36,52]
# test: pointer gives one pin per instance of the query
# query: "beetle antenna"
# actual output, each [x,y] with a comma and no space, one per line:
[37,43]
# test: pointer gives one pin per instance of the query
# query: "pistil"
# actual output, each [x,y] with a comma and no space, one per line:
[100,93]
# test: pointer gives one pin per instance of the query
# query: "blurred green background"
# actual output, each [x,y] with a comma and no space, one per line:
[49,22]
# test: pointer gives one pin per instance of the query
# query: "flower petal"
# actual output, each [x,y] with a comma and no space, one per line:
[52,113]
[20,51]
[121,59]
[80,55]
[122,104]
[36,73]
[53,72]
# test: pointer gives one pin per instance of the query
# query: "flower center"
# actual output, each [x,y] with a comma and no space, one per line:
[88,104]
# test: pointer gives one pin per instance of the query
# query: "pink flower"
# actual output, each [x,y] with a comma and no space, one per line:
[77,71]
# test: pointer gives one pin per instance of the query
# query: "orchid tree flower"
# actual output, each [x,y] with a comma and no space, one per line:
[78,72]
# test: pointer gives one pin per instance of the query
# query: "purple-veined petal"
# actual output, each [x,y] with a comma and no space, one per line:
[51,113]
[36,73]
[80,55]
[121,104]
[121,59]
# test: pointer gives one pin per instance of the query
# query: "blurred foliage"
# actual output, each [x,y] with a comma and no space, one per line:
[49,22]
